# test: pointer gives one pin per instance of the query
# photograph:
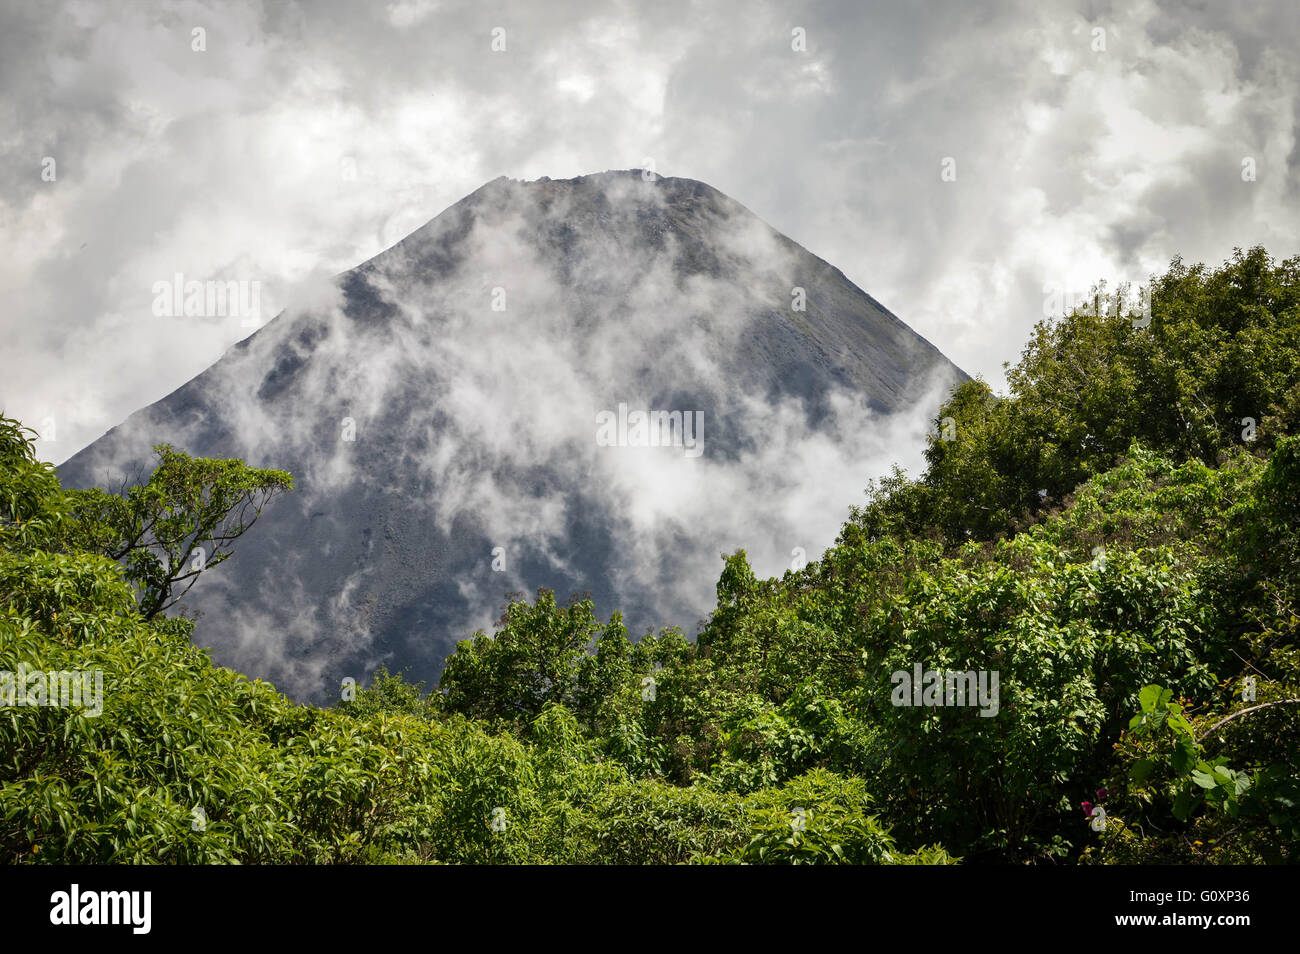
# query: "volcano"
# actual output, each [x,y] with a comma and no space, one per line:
[595,385]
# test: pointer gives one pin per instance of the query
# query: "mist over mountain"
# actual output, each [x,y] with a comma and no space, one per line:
[440,408]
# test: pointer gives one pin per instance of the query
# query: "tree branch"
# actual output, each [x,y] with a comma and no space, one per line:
[1262,705]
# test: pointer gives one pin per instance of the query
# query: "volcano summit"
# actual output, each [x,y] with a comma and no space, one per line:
[442,418]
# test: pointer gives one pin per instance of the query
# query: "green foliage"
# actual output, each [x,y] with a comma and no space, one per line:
[534,659]
[1195,781]
[182,521]
[835,830]
[1220,347]
[390,693]
[32,506]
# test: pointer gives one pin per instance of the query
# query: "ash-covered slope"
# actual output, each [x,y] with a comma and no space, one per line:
[446,403]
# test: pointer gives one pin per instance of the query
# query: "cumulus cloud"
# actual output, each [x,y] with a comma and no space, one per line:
[305,138]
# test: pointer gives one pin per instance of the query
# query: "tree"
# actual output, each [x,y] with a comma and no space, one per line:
[1214,367]
[390,692]
[183,521]
[536,657]
[31,501]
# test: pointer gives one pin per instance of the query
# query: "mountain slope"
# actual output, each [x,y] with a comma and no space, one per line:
[446,417]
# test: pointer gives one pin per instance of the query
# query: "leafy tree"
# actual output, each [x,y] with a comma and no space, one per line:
[1218,359]
[390,693]
[182,521]
[31,500]
[539,656]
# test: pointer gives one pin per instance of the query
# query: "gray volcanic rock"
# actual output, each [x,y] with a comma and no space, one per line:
[445,403]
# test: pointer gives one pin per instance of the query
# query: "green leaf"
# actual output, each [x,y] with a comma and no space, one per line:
[1153,696]
[1185,755]
[1142,770]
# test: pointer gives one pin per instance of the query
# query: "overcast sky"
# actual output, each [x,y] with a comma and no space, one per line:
[283,142]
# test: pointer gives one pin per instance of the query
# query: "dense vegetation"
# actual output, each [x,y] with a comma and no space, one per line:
[1115,539]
